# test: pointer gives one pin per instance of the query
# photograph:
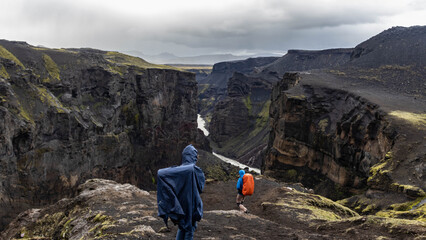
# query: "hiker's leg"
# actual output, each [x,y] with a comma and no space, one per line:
[180,234]
[190,235]
[240,200]
[185,235]
[242,208]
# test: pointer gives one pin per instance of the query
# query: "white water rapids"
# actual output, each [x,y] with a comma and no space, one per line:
[201,125]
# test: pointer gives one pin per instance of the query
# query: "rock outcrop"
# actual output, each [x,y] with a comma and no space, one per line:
[327,131]
[73,114]
[104,209]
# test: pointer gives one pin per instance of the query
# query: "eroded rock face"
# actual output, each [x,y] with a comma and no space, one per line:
[242,117]
[70,115]
[101,207]
[326,132]
[213,88]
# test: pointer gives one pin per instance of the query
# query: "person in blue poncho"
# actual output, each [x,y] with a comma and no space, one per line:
[178,193]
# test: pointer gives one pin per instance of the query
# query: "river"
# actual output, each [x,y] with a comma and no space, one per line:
[201,125]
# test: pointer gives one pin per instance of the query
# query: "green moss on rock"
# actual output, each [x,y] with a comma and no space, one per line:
[51,67]
[323,124]
[127,60]
[247,102]
[47,97]
[4,53]
[305,207]
[418,214]
[3,72]
[410,190]
[263,116]
[202,88]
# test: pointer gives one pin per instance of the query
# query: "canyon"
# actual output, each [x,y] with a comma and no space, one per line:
[84,131]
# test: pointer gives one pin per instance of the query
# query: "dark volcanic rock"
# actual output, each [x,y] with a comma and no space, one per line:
[341,134]
[241,117]
[73,114]
[104,209]
[392,59]
[397,45]
[213,88]
[335,133]
[224,70]
[304,60]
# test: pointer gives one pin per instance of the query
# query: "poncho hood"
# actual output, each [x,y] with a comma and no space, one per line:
[189,155]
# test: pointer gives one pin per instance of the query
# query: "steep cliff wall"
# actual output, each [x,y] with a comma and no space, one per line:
[320,131]
[73,114]
[239,124]
[213,88]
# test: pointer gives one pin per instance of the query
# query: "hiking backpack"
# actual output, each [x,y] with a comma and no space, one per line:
[248,184]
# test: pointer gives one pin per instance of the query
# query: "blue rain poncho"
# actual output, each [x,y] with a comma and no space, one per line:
[179,189]
[240,180]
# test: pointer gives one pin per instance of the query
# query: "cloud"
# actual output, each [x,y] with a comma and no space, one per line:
[191,27]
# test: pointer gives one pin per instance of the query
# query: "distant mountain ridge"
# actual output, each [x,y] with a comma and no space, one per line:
[210,59]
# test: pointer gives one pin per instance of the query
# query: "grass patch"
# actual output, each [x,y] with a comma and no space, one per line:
[418,214]
[126,60]
[412,118]
[299,97]
[51,67]
[306,206]
[337,72]
[323,124]
[395,67]
[8,55]
[263,116]
[26,115]
[189,67]
[413,190]
[247,102]
[379,168]
[202,88]
[46,96]
[3,72]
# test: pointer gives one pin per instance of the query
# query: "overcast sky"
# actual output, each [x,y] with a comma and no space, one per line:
[193,27]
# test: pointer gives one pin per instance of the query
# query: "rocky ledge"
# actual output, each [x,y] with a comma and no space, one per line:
[104,209]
